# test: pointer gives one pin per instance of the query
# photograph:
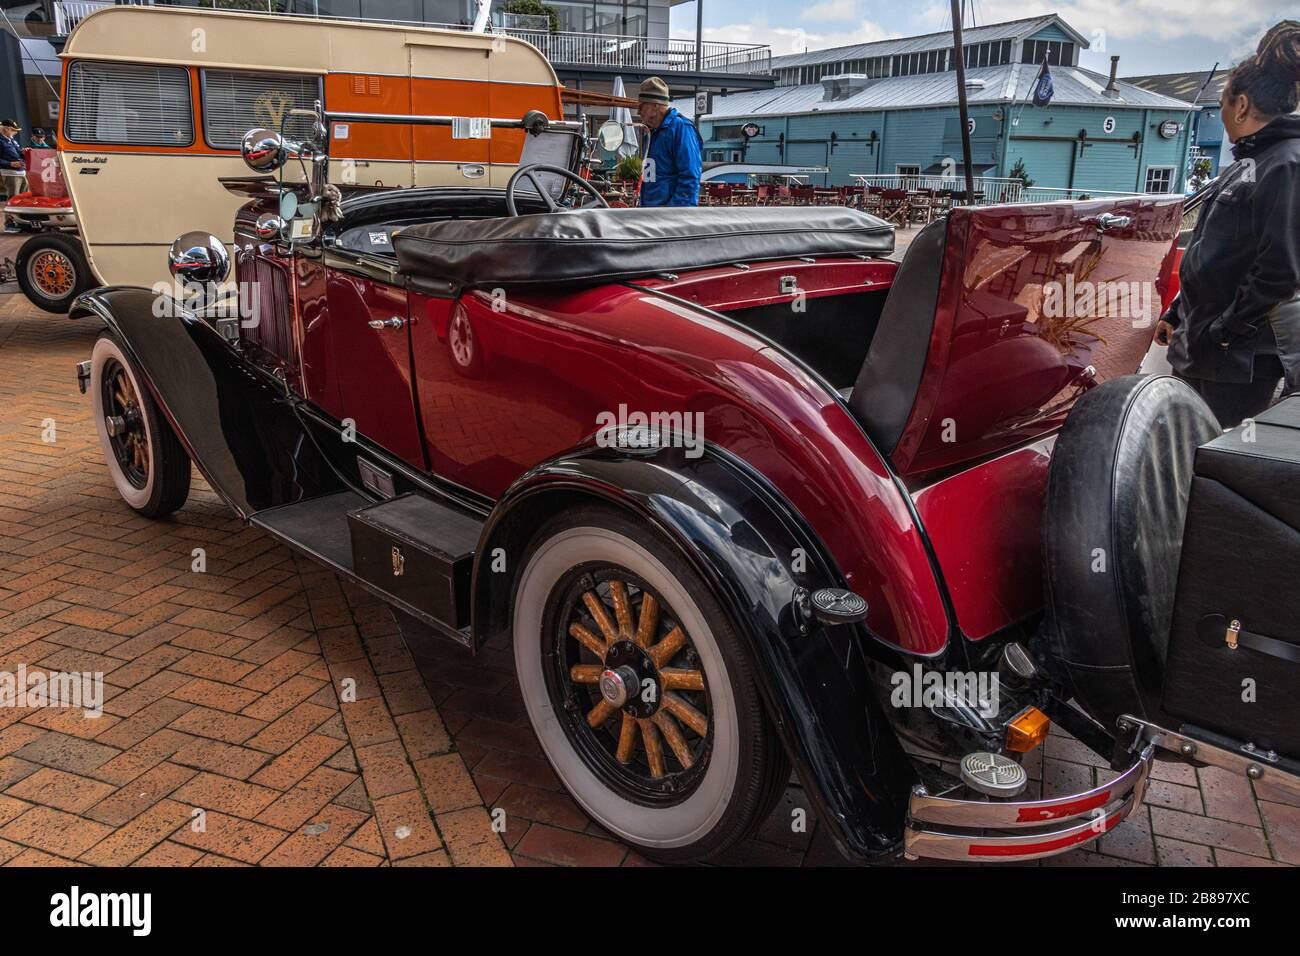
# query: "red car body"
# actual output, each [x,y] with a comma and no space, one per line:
[901,528]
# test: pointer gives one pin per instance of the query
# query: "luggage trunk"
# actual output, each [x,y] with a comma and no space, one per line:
[1234,651]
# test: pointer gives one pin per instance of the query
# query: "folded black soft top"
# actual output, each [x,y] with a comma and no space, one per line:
[600,245]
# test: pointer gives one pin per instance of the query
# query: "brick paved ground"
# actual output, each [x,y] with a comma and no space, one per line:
[224,694]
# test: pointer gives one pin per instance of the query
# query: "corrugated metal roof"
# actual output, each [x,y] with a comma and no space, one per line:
[1183,86]
[1010,82]
[1010,30]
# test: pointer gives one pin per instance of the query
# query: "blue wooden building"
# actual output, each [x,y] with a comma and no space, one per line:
[1208,137]
[890,108]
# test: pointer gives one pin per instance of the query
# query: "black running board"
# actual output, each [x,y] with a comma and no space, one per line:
[411,551]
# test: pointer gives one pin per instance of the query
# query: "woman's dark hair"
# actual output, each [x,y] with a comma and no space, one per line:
[1271,78]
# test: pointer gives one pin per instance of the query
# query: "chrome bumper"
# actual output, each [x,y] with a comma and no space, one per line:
[943,828]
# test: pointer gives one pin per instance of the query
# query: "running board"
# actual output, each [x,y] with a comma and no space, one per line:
[410,551]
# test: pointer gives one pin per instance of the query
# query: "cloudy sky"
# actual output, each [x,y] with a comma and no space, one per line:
[1150,36]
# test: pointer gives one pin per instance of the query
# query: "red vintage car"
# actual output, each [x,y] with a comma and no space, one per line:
[745,492]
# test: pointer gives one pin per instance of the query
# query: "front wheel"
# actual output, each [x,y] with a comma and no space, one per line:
[146,460]
[640,692]
[52,271]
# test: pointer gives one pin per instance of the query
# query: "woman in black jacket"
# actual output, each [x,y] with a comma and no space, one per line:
[1234,329]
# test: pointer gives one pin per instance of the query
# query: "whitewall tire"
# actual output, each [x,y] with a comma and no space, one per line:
[147,463]
[670,750]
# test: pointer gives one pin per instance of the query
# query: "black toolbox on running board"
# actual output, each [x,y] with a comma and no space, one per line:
[419,552]
[1234,648]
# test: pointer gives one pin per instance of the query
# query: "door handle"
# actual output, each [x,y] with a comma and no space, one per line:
[1108,221]
[380,324]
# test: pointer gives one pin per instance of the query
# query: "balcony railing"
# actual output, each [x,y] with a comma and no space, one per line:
[562,49]
[647,53]
[68,13]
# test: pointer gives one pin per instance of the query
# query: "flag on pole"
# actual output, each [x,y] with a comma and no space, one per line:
[1043,88]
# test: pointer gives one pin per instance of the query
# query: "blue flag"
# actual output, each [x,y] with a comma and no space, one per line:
[1043,88]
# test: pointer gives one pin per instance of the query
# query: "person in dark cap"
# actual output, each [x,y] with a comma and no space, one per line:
[40,139]
[13,169]
[670,175]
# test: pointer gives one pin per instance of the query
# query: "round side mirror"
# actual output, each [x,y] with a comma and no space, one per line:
[535,121]
[611,136]
[269,226]
[263,150]
[199,258]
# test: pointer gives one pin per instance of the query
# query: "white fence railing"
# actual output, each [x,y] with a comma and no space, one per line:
[1052,194]
[989,190]
[569,49]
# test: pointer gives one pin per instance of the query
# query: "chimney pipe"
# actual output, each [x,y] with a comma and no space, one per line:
[1114,71]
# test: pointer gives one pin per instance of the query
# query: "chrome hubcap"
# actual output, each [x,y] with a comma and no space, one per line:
[617,685]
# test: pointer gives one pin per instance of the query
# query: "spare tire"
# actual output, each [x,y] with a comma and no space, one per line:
[1117,494]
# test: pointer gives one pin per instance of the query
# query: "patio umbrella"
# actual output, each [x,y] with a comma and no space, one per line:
[622,115]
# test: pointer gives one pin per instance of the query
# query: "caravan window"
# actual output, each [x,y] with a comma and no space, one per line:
[235,102]
[127,104]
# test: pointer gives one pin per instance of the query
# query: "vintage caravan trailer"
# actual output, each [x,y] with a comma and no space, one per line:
[155,101]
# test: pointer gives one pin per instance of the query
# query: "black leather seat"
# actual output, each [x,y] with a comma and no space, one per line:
[885,391]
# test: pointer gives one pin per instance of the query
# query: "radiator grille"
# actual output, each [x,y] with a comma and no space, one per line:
[269,323]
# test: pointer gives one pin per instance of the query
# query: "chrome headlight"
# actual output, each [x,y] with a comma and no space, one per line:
[264,150]
[198,257]
[269,226]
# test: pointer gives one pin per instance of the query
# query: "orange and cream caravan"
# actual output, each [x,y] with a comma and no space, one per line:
[156,100]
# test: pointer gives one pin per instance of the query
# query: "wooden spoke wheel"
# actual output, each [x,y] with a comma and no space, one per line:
[145,459]
[630,684]
[640,691]
[124,423]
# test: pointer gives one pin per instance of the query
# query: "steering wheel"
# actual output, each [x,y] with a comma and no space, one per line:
[526,172]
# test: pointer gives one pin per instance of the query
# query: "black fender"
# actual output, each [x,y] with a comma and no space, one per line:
[239,425]
[754,551]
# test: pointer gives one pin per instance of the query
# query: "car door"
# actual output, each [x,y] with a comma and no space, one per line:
[370,346]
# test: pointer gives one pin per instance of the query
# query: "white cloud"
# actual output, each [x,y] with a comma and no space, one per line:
[786,40]
[831,10]
[1234,21]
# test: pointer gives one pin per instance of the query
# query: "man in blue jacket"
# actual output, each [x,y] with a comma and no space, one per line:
[670,175]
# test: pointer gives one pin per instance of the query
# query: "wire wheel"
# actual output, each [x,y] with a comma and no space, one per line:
[52,272]
[628,684]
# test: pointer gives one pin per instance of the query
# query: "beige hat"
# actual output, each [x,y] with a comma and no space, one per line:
[653,90]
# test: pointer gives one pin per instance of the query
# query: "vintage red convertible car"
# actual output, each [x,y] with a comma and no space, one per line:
[745,492]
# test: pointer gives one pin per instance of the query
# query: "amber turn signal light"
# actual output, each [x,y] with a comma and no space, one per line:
[1027,731]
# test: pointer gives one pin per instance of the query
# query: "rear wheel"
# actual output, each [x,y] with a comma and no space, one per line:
[53,271]
[639,690]
[146,460]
